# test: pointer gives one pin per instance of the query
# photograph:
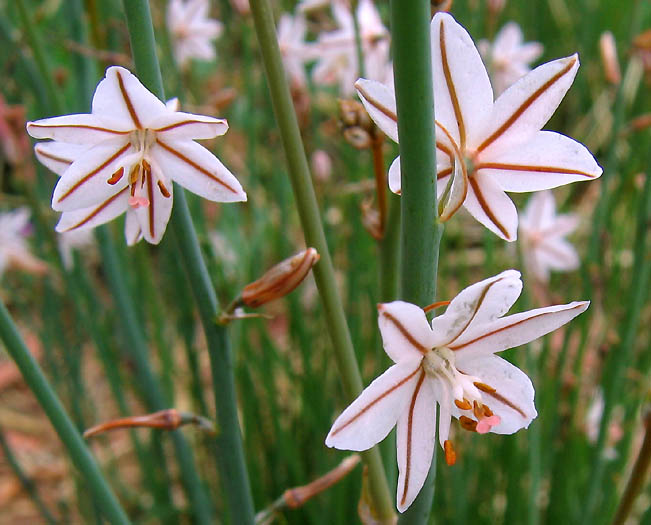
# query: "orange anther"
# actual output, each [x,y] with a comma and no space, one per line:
[163,189]
[468,424]
[477,409]
[116,177]
[450,454]
[484,387]
[463,405]
[487,411]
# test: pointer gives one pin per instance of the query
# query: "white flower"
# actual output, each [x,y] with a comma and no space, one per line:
[453,363]
[485,148]
[124,156]
[293,48]
[338,52]
[14,250]
[191,30]
[509,57]
[542,233]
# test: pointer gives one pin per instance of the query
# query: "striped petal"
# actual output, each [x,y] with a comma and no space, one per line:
[153,219]
[78,129]
[488,203]
[93,216]
[58,156]
[405,331]
[132,230]
[198,170]
[380,102]
[179,125]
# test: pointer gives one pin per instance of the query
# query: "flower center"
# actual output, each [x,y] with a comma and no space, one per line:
[466,390]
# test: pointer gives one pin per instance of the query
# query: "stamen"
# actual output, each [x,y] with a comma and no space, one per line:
[450,454]
[135,173]
[486,423]
[487,411]
[468,424]
[138,202]
[477,410]
[163,189]
[116,176]
[484,387]
[463,405]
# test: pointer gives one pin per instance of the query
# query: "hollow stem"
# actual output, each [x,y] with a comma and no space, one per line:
[421,231]
[314,235]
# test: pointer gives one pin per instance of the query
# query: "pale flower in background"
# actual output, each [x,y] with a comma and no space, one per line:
[509,56]
[73,240]
[453,363]
[542,236]
[14,250]
[192,31]
[293,48]
[486,148]
[124,156]
[337,50]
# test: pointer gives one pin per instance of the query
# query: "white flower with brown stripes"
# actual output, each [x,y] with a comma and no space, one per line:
[124,155]
[485,148]
[542,236]
[452,363]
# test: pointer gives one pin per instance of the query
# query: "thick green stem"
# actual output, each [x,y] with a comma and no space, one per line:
[79,453]
[231,462]
[421,231]
[308,211]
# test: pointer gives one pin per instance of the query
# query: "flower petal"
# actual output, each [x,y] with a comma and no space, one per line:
[77,129]
[95,215]
[454,194]
[153,219]
[487,202]
[443,170]
[198,170]
[84,183]
[380,102]
[442,395]
[516,329]
[481,303]
[374,413]
[132,229]
[540,211]
[415,439]
[58,156]
[547,161]
[179,125]
[558,254]
[463,96]
[405,331]
[527,105]
[513,399]
[121,96]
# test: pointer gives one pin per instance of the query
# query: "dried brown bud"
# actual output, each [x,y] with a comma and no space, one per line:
[280,279]
[440,6]
[358,128]
[609,60]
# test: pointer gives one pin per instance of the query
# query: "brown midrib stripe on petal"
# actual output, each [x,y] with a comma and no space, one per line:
[525,105]
[127,101]
[484,206]
[410,420]
[451,89]
[95,171]
[54,157]
[97,210]
[410,338]
[375,401]
[537,169]
[376,104]
[150,195]
[499,397]
[193,164]
[525,320]
[184,123]
[478,305]
[444,173]
[79,126]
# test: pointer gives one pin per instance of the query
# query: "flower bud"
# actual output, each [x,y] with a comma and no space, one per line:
[609,60]
[280,279]
[357,126]
[321,165]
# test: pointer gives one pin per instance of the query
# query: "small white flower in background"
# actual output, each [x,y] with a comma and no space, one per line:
[293,48]
[337,50]
[70,241]
[485,148]
[192,30]
[124,156]
[14,250]
[542,234]
[453,363]
[509,57]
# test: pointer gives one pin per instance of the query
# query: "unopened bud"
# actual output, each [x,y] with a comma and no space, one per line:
[358,128]
[168,419]
[608,50]
[496,6]
[321,165]
[280,279]
[440,6]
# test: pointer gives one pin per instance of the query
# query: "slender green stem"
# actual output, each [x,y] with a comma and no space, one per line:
[358,39]
[308,211]
[231,461]
[421,231]
[25,480]
[79,453]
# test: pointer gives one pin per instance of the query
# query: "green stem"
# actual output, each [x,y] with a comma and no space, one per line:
[231,461]
[421,231]
[308,211]
[358,39]
[47,398]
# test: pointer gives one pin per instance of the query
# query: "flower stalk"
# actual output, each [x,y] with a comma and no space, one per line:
[421,231]
[314,235]
[231,461]
[65,428]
